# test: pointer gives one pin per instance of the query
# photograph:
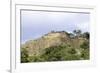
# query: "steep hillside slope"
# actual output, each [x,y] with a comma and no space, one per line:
[34,47]
[55,46]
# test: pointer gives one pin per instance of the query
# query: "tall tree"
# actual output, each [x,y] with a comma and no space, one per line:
[77,32]
[86,35]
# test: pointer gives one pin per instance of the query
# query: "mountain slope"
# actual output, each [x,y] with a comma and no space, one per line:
[55,46]
[34,47]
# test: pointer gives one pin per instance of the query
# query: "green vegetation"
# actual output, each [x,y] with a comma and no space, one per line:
[24,56]
[85,45]
[75,48]
[85,51]
[55,53]
[86,35]
[85,54]
[77,32]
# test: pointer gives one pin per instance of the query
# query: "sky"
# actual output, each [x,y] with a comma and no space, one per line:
[35,24]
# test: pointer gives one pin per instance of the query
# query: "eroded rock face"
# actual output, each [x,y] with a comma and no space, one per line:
[36,47]
[55,46]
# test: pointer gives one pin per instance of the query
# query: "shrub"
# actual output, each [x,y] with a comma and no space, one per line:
[72,57]
[85,54]
[72,51]
[54,53]
[35,59]
[85,45]
[60,53]
[24,56]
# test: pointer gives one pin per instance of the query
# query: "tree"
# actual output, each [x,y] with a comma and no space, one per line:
[86,35]
[77,32]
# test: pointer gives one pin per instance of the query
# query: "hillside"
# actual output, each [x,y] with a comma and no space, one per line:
[54,46]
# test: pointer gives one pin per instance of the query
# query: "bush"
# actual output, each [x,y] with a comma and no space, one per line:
[35,59]
[56,53]
[53,53]
[24,56]
[60,53]
[72,51]
[85,45]
[72,57]
[85,54]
